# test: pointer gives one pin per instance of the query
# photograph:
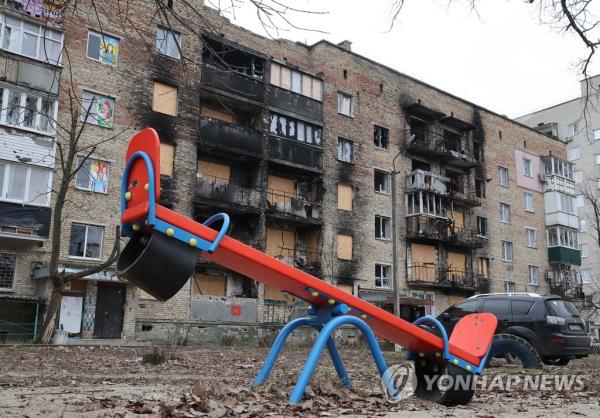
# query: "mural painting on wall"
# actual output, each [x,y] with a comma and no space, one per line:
[105,112]
[109,50]
[99,175]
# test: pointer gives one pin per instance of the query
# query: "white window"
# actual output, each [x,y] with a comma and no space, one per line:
[534,275]
[345,104]
[32,40]
[8,263]
[572,129]
[509,287]
[168,42]
[102,48]
[26,184]
[527,167]
[28,111]
[574,153]
[86,241]
[584,250]
[585,276]
[382,227]
[507,251]
[560,236]
[482,226]
[100,110]
[582,225]
[531,237]
[345,150]
[504,213]
[427,296]
[93,175]
[503,176]
[579,201]
[578,176]
[381,181]
[567,203]
[596,134]
[383,275]
[528,202]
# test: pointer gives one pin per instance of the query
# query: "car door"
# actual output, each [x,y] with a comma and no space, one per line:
[499,307]
[453,314]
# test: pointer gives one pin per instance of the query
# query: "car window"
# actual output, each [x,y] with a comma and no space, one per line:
[463,308]
[562,308]
[498,307]
[521,307]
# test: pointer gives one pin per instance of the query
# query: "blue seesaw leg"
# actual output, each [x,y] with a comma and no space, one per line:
[338,363]
[276,348]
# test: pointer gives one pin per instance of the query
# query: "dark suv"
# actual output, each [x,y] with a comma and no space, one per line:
[550,324]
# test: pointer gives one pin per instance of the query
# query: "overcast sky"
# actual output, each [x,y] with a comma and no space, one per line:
[502,59]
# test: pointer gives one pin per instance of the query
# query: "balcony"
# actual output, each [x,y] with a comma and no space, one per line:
[564,255]
[220,190]
[24,223]
[425,228]
[441,185]
[553,183]
[296,103]
[230,136]
[296,153]
[432,144]
[280,202]
[448,279]
[233,83]
[565,283]
[49,11]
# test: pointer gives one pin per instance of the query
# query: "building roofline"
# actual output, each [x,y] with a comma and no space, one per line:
[506,118]
[549,107]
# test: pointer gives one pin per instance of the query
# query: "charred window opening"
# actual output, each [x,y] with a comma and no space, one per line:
[456,181]
[480,188]
[382,181]
[291,128]
[420,165]
[345,74]
[382,227]
[381,137]
[452,141]
[345,151]
[418,129]
[229,58]
[478,151]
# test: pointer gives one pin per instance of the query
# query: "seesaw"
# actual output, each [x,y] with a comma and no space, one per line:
[164,247]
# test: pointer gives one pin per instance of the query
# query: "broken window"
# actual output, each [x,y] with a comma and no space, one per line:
[345,150]
[482,226]
[383,274]
[382,181]
[344,197]
[86,241]
[8,263]
[382,227]
[164,99]
[380,137]
[92,176]
[478,151]
[420,165]
[480,188]
[452,141]
[345,104]
[295,129]
[168,42]
[456,184]
[26,110]
[344,250]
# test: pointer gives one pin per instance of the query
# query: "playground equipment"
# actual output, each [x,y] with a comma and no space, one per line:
[164,247]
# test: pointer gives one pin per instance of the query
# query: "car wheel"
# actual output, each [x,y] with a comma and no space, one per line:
[512,346]
[557,361]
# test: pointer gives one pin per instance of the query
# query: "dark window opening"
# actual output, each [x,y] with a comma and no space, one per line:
[170,4]
[482,226]
[381,137]
[382,181]
[229,58]
[418,129]
[345,73]
[480,188]
[420,165]
[291,128]
[380,87]
[456,182]
[382,227]
[452,141]
[147,327]
[478,151]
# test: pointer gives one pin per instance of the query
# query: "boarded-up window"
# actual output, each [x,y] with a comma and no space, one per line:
[423,262]
[167,156]
[484,266]
[286,78]
[345,287]
[344,249]
[275,74]
[206,285]
[307,85]
[312,243]
[317,89]
[281,190]
[281,244]
[344,197]
[217,114]
[459,219]
[272,293]
[164,99]
[219,173]
[456,261]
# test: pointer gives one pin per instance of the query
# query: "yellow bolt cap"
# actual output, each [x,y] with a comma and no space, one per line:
[438,354]
[170,232]
[193,242]
[146,187]
[421,354]
[331,301]
[468,368]
[314,293]
[363,316]
[136,227]
[128,196]
[455,362]
[349,308]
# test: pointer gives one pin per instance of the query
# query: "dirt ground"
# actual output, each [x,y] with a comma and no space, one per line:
[72,381]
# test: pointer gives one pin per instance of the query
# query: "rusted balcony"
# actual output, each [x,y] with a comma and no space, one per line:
[449,279]
[233,83]
[230,136]
[565,283]
[427,228]
[220,190]
[291,204]
[433,144]
[441,185]
[297,103]
[285,150]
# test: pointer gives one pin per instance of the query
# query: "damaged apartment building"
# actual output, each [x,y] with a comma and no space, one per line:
[387,187]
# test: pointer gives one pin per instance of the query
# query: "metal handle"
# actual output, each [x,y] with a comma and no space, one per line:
[221,233]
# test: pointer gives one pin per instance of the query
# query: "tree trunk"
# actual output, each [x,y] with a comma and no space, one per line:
[51,314]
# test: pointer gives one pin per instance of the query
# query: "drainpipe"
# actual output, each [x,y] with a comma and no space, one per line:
[396,260]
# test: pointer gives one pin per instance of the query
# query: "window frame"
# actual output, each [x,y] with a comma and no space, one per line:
[508,284]
[340,96]
[528,230]
[387,182]
[27,199]
[505,245]
[528,197]
[101,36]
[381,129]
[85,241]
[92,117]
[527,167]
[90,182]
[382,277]
[351,143]
[24,94]
[482,220]
[502,220]
[14,272]
[176,36]
[43,33]
[383,220]
[571,153]
[588,280]
[582,246]
[501,169]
